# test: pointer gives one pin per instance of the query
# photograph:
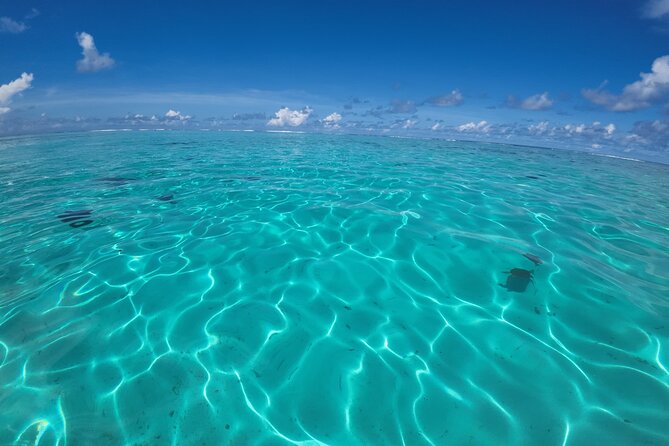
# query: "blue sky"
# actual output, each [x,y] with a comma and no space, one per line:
[565,73]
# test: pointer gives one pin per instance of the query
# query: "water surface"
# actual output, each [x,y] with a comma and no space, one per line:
[162,288]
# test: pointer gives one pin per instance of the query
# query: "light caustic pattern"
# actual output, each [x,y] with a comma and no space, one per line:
[267,289]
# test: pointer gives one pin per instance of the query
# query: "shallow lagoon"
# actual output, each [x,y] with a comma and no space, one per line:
[236,288]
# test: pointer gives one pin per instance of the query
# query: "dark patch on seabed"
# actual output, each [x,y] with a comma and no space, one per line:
[533,258]
[517,280]
[177,143]
[117,181]
[76,219]
[167,198]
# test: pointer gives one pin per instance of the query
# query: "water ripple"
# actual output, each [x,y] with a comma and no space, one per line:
[311,290]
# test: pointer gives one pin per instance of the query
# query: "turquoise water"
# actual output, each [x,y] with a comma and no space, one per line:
[269,289]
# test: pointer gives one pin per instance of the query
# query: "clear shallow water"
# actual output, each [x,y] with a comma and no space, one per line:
[270,289]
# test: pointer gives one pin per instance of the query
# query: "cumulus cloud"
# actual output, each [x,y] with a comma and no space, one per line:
[537,102]
[334,117]
[656,9]
[7,91]
[650,89]
[92,60]
[453,98]
[332,120]
[478,127]
[596,130]
[11,26]
[174,115]
[293,118]
[539,128]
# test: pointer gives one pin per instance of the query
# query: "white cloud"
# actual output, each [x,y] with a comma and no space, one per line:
[453,98]
[594,133]
[538,129]
[537,102]
[590,130]
[437,126]
[408,123]
[93,60]
[176,115]
[13,88]
[8,25]
[332,120]
[294,118]
[481,126]
[650,89]
[334,117]
[656,9]
[575,128]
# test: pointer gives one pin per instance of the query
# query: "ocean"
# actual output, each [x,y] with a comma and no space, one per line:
[210,288]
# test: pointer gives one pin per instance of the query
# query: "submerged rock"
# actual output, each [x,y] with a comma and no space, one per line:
[517,280]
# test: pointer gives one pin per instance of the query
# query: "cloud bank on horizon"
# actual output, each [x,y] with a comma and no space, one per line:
[287,117]
[417,83]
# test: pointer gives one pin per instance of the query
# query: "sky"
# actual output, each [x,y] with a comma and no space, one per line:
[589,75]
